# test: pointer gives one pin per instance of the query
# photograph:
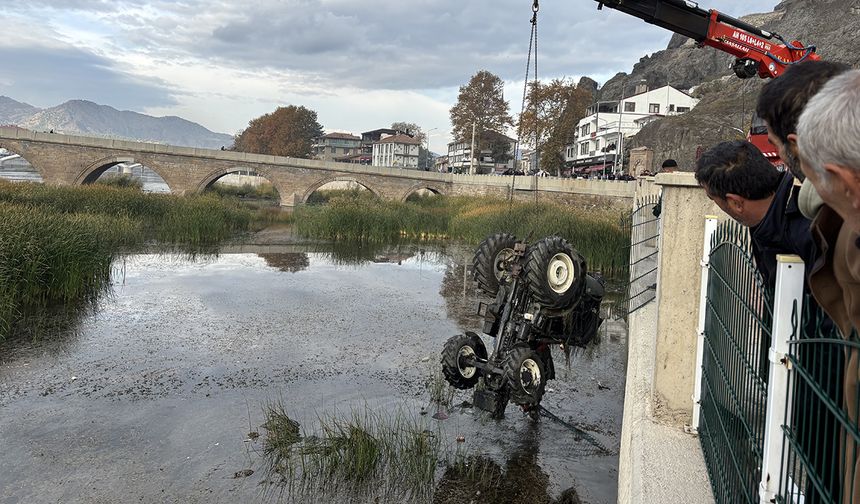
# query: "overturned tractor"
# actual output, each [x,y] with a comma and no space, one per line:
[543,297]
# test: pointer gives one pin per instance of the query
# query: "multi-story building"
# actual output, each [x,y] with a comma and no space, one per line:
[600,135]
[440,164]
[460,154]
[332,146]
[397,150]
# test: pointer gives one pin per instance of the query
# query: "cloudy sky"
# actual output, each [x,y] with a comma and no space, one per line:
[360,64]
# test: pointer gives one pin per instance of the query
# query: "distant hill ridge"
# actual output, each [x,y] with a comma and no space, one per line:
[88,118]
[726,101]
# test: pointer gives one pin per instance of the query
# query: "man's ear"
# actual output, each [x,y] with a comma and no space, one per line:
[791,145]
[848,181]
[735,202]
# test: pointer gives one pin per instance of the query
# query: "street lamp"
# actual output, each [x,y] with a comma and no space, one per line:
[429,156]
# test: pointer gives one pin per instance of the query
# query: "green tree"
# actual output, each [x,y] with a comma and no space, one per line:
[549,121]
[411,129]
[481,103]
[288,131]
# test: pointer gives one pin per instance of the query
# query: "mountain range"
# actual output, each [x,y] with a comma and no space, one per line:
[728,102]
[91,119]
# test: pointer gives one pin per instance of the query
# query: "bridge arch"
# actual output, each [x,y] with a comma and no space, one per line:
[434,188]
[217,173]
[339,178]
[91,173]
[18,167]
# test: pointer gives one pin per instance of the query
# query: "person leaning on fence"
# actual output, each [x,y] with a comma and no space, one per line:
[749,189]
[828,137]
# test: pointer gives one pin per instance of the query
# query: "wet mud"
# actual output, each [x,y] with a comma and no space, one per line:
[158,394]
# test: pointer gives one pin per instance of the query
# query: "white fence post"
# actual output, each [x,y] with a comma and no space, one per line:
[710,228]
[787,298]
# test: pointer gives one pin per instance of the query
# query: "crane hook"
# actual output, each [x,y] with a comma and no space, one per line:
[535,6]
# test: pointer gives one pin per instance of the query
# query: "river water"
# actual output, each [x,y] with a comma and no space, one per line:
[152,397]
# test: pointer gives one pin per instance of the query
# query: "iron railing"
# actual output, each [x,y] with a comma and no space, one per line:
[819,457]
[737,331]
[777,398]
[643,225]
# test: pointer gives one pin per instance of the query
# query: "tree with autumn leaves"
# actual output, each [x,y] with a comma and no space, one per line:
[549,120]
[481,103]
[288,131]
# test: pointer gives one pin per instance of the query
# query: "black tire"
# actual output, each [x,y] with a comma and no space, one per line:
[555,272]
[456,371]
[526,374]
[489,262]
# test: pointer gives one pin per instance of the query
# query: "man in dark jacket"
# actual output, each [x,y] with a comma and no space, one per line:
[747,187]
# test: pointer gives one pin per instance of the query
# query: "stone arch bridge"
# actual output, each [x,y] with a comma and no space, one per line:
[74,160]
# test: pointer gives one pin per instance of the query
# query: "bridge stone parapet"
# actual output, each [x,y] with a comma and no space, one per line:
[73,159]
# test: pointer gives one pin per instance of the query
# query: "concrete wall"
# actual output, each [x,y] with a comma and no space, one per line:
[685,206]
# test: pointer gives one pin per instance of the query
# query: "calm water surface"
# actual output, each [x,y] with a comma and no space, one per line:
[152,398]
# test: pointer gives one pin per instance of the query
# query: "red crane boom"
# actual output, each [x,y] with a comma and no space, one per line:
[758,52]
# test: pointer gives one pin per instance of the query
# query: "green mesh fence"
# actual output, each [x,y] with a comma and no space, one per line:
[734,368]
[819,457]
[643,225]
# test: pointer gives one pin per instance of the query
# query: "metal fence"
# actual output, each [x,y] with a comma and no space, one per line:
[643,225]
[819,433]
[775,420]
[734,367]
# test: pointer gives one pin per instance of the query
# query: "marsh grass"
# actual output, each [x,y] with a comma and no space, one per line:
[358,216]
[365,453]
[121,180]
[57,244]
[264,191]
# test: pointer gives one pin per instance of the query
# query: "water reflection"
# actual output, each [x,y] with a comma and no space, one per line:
[288,262]
[480,479]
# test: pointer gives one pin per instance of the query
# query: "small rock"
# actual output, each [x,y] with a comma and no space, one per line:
[425,359]
[244,473]
[461,439]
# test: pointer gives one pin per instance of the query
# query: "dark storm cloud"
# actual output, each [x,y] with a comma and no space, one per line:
[48,76]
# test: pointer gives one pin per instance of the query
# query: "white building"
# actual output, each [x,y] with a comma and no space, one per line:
[396,150]
[460,154]
[601,134]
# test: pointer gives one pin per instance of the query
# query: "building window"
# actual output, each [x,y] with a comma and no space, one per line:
[630,106]
[334,150]
[583,148]
[653,108]
[682,110]
[671,108]
[585,129]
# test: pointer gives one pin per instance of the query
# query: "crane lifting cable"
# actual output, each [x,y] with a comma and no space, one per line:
[533,49]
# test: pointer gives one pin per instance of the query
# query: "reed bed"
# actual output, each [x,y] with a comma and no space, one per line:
[391,457]
[57,244]
[358,216]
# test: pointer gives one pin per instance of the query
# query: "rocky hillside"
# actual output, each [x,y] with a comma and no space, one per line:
[88,118]
[726,101]
[13,112]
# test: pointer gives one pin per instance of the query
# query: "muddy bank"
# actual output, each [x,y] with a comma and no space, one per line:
[152,398]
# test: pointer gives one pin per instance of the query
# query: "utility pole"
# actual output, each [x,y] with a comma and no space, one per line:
[620,143]
[472,151]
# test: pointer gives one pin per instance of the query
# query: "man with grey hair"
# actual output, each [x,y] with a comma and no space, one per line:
[828,137]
